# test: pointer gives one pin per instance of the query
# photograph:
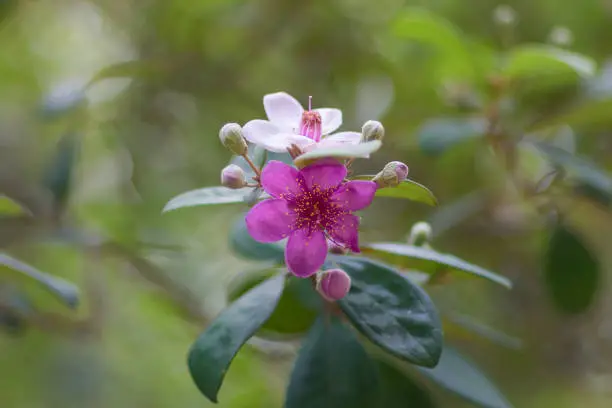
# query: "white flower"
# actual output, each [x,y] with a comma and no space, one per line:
[288,123]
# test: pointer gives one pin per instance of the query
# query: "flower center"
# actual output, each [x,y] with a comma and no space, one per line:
[315,209]
[310,126]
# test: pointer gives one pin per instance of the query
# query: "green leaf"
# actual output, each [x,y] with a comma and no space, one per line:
[545,65]
[297,307]
[243,244]
[590,114]
[213,352]
[361,150]
[332,370]
[401,391]
[571,272]
[579,169]
[428,260]
[11,208]
[460,376]
[58,177]
[129,69]
[408,189]
[63,290]
[437,135]
[207,196]
[391,311]
[472,325]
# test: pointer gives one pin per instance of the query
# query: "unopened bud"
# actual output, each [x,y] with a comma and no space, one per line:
[372,130]
[391,175]
[231,137]
[504,15]
[333,284]
[420,234]
[233,177]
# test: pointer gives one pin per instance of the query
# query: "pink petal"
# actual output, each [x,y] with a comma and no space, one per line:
[345,231]
[305,252]
[331,119]
[278,178]
[355,195]
[324,173]
[283,110]
[269,221]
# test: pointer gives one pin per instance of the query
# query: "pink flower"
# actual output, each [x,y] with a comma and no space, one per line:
[308,206]
[288,123]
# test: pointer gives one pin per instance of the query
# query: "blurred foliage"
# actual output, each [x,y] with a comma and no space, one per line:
[110,108]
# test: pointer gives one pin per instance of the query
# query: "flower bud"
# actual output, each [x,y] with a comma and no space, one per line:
[420,234]
[372,130]
[231,137]
[233,176]
[333,284]
[391,175]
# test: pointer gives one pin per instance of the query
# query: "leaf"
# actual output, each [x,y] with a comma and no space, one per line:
[11,208]
[63,290]
[207,196]
[459,375]
[297,307]
[571,272]
[213,352]
[428,260]
[361,150]
[129,69]
[391,311]
[437,135]
[472,325]
[408,189]
[58,177]
[401,391]
[244,245]
[591,114]
[332,370]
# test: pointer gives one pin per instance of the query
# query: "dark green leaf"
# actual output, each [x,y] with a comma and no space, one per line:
[58,176]
[62,289]
[361,150]
[459,375]
[332,370]
[391,311]
[213,352]
[408,189]
[428,260]
[207,196]
[11,208]
[401,391]
[297,307]
[244,245]
[571,271]
[437,135]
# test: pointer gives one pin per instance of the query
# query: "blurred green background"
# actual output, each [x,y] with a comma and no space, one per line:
[98,166]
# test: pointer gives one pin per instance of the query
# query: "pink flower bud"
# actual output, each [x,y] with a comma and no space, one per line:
[334,284]
[233,176]
[391,175]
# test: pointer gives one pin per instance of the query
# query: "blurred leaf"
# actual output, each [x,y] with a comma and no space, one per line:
[591,114]
[58,176]
[213,352]
[428,260]
[207,196]
[391,311]
[474,326]
[401,391]
[297,307]
[11,208]
[244,245]
[437,135]
[332,370]
[408,189]
[571,272]
[580,169]
[459,375]
[362,150]
[63,290]
[65,99]
[129,69]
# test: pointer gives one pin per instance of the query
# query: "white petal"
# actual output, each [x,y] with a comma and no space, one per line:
[283,110]
[342,138]
[270,137]
[258,130]
[331,119]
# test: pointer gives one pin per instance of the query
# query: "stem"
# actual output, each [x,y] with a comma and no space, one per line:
[252,165]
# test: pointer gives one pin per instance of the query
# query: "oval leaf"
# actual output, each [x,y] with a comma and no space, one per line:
[428,260]
[332,370]
[401,391]
[392,312]
[244,245]
[460,376]
[207,196]
[437,135]
[571,272]
[63,290]
[11,208]
[408,189]
[362,150]
[213,352]
[297,307]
